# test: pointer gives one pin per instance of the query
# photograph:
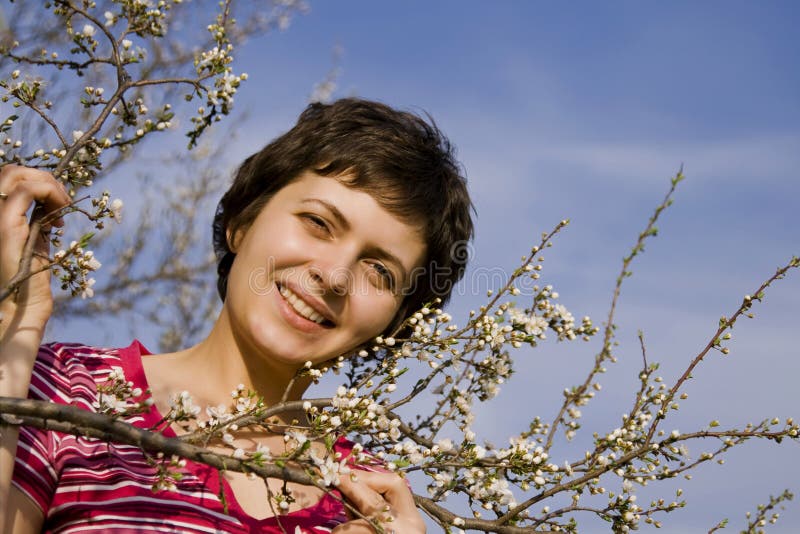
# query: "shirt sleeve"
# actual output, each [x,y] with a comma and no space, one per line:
[35,467]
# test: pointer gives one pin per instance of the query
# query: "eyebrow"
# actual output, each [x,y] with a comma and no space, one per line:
[344,223]
[334,211]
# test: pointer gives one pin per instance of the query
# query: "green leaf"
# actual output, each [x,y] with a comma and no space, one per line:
[85,238]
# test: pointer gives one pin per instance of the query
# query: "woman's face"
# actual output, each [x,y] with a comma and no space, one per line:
[322,269]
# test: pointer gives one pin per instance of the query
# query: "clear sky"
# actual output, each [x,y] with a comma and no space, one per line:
[583,111]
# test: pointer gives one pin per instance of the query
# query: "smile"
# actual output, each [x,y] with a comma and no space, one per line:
[303,309]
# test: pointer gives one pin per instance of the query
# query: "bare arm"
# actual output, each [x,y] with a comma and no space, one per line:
[24,315]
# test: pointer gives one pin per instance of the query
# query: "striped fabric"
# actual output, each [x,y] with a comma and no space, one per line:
[86,485]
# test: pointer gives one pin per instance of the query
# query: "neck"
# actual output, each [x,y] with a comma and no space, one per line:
[230,361]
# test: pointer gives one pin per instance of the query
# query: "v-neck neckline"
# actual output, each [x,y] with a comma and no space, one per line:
[328,506]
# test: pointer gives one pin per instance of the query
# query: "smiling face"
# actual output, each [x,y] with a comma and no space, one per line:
[322,269]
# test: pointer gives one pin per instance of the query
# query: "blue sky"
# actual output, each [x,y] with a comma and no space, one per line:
[584,111]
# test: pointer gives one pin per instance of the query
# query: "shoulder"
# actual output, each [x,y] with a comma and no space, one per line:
[68,373]
[64,355]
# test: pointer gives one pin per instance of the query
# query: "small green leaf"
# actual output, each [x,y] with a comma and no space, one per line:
[85,238]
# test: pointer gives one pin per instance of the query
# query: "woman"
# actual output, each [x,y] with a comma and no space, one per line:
[327,238]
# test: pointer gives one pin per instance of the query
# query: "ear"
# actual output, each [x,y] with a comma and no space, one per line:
[233,239]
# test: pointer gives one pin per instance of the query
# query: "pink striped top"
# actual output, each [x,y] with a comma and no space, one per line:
[86,485]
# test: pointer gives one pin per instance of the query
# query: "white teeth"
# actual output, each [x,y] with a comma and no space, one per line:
[301,307]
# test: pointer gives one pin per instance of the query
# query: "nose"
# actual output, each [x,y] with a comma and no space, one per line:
[333,273]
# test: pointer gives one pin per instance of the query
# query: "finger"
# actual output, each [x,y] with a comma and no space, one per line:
[391,487]
[21,186]
[363,497]
[14,228]
[14,208]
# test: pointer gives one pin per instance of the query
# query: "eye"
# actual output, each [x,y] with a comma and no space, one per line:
[386,275]
[316,223]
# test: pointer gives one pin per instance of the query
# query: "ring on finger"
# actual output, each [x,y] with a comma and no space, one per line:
[3,196]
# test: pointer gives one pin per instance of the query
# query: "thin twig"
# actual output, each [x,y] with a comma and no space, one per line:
[608,334]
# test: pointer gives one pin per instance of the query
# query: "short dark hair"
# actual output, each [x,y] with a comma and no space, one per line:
[401,160]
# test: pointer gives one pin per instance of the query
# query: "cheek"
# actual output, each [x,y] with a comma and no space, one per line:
[372,314]
[259,263]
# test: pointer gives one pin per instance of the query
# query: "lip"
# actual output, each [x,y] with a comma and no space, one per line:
[315,304]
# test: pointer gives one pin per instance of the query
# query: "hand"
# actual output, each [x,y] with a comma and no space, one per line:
[382,497]
[30,308]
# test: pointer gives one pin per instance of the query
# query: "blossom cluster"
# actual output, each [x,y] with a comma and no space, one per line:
[73,267]
[350,412]
[105,208]
[119,397]
[330,466]
[168,471]
[215,63]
